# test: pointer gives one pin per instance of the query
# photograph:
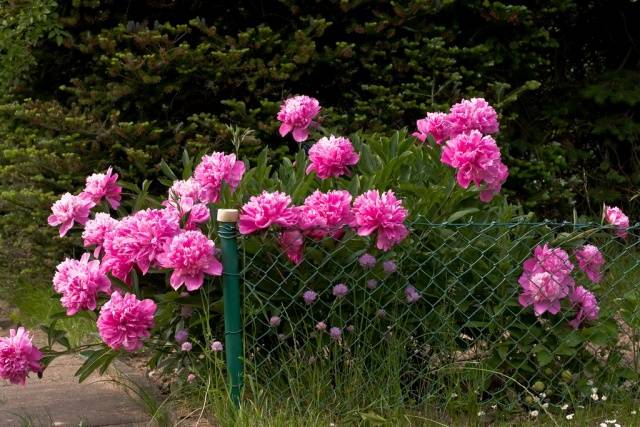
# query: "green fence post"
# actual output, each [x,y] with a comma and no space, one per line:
[227,218]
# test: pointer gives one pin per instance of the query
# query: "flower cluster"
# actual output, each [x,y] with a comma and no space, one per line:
[70,209]
[79,282]
[463,117]
[296,115]
[18,356]
[331,157]
[326,214]
[547,279]
[468,148]
[146,239]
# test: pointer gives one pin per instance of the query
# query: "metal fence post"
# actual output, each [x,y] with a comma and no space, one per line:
[227,231]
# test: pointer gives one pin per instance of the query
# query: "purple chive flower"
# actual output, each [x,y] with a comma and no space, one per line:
[216,346]
[372,283]
[351,328]
[321,326]
[275,321]
[310,296]
[335,333]
[186,346]
[191,378]
[381,313]
[367,261]
[412,294]
[181,335]
[389,267]
[340,290]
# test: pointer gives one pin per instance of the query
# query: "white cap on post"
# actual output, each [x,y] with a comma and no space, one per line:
[227,215]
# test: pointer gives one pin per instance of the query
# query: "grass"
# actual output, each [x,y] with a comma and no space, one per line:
[34,306]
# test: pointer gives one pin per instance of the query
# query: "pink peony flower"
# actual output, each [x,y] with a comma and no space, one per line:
[125,321]
[331,157]
[101,185]
[275,321]
[217,347]
[309,297]
[191,255]
[382,213]
[469,115]
[586,304]
[181,336]
[367,260]
[411,294]
[213,171]
[544,291]
[96,229]
[615,216]
[296,115]
[139,239]
[68,210]
[340,290]
[79,282]
[18,357]
[436,125]
[590,260]
[325,214]
[292,243]
[266,210]
[477,160]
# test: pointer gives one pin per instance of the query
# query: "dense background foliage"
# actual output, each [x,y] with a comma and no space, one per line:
[89,83]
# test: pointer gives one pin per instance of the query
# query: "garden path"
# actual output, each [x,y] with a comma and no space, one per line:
[59,400]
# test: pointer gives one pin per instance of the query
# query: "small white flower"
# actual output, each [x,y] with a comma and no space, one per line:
[617,425]
[480,413]
[332,425]
[594,390]
[454,395]
[595,397]
[633,412]
[565,407]
[590,382]
[545,405]
[494,406]
[603,397]
[611,421]
[533,414]
[543,395]
[603,425]
[569,416]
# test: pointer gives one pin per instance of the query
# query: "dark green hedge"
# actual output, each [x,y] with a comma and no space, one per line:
[90,83]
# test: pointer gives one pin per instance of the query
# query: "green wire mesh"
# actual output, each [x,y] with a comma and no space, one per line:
[466,337]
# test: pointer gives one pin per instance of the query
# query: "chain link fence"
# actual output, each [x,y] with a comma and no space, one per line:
[438,319]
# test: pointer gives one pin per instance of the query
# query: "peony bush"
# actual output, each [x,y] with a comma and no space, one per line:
[336,238]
